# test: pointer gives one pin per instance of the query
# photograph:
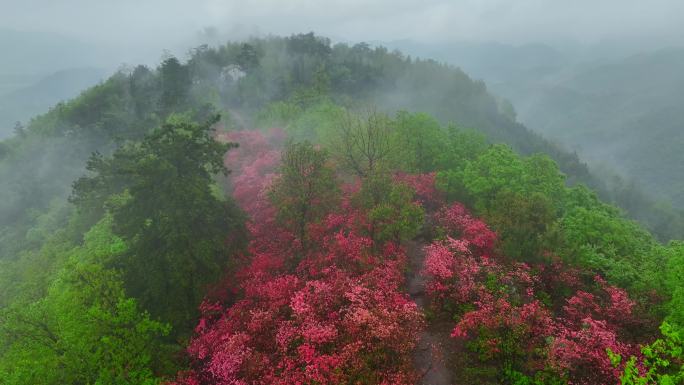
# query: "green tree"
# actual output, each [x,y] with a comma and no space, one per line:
[498,169]
[660,363]
[364,143]
[144,90]
[463,147]
[248,58]
[418,142]
[175,85]
[674,282]
[84,330]
[306,189]
[525,224]
[391,211]
[521,198]
[616,247]
[161,196]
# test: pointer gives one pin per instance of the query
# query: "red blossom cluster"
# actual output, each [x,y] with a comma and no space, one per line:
[330,330]
[457,263]
[511,321]
[457,222]
[254,165]
[424,186]
[591,323]
[335,315]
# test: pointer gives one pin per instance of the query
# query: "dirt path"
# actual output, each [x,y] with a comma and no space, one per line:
[435,348]
[439,358]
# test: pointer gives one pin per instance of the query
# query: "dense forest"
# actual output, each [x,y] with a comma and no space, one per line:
[285,210]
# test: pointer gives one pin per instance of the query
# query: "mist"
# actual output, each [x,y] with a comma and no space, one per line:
[107,34]
[101,36]
[142,24]
[331,192]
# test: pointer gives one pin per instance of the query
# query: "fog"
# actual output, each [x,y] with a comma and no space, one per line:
[350,191]
[132,27]
[546,57]
[40,37]
[356,19]
[107,34]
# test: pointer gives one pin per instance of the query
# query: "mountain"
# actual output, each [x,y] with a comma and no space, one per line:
[624,115]
[31,55]
[22,104]
[285,210]
[616,109]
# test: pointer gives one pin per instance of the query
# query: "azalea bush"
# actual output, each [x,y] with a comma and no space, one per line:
[504,310]
[336,314]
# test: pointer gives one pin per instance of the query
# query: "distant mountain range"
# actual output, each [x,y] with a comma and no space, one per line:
[625,115]
[23,103]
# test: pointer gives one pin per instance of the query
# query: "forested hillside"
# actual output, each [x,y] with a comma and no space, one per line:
[636,99]
[617,109]
[283,211]
[24,103]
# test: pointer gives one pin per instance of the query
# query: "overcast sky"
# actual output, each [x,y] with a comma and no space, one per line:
[115,32]
[503,20]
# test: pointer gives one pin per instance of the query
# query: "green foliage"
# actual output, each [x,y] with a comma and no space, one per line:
[100,112]
[525,200]
[525,224]
[392,213]
[159,192]
[402,220]
[542,377]
[618,248]
[462,146]
[520,197]
[315,123]
[45,250]
[175,85]
[498,169]
[306,189]
[84,330]
[279,113]
[674,282]
[418,142]
[661,362]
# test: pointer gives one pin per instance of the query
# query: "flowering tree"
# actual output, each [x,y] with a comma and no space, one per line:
[589,325]
[503,307]
[425,188]
[335,329]
[337,316]
[305,190]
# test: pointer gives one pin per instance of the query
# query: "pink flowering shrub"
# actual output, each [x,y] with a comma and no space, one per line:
[458,223]
[424,186]
[254,165]
[325,326]
[338,315]
[457,266]
[503,309]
